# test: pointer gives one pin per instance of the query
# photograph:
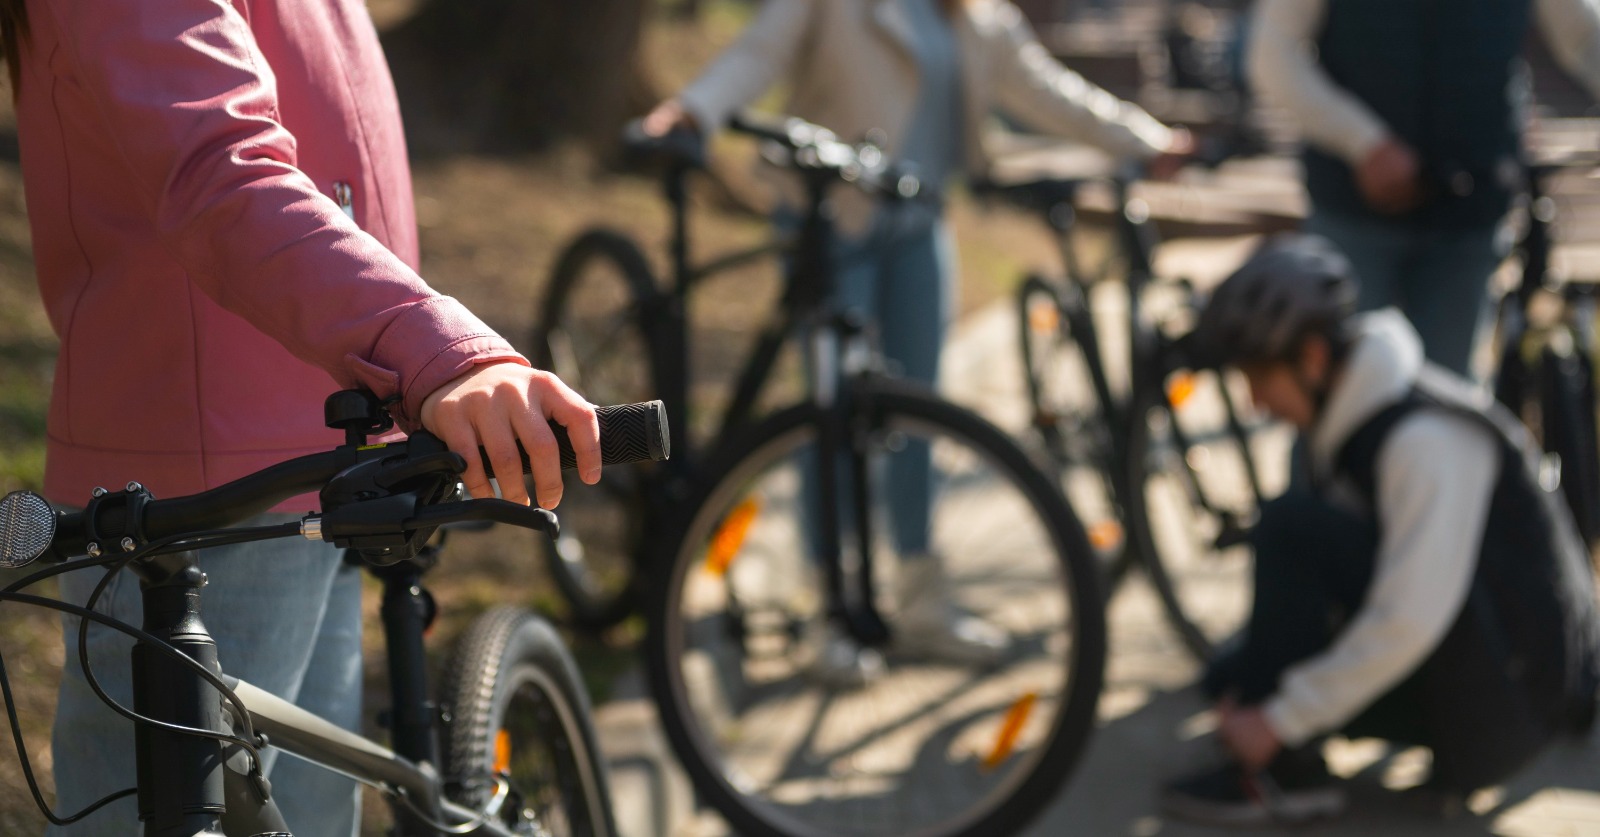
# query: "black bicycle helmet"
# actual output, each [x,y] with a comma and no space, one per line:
[1293,285]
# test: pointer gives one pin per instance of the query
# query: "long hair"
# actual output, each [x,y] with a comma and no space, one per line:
[13,30]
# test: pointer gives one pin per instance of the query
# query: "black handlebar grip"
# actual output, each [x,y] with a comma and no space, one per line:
[628,433]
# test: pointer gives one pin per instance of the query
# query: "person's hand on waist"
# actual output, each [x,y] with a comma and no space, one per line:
[497,405]
[1389,176]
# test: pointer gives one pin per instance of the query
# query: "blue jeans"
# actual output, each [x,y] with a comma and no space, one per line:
[900,277]
[286,616]
[1439,278]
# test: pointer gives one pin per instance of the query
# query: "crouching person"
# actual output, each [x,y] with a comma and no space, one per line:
[1425,590]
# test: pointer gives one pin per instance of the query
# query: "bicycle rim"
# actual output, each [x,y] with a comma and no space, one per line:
[1069,419]
[922,748]
[593,334]
[1193,506]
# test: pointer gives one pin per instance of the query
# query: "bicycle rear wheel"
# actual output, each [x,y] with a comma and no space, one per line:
[594,332]
[919,747]
[1191,505]
[1067,414]
[518,712]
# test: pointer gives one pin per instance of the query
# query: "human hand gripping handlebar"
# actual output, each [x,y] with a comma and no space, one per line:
[374,497]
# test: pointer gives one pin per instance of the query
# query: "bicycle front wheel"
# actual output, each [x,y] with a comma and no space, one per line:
[743,649]
[519,715]
[594,332]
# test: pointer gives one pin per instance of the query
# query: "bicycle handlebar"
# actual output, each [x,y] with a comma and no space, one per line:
[815,148]
[30,527]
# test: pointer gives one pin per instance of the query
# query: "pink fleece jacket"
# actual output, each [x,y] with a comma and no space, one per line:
[189,166]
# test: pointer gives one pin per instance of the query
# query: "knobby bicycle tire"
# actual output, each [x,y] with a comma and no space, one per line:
[1022,786]
[1205,590]
[594,330]
[516,704]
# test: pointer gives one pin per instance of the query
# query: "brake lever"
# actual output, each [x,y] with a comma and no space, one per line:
[499,511]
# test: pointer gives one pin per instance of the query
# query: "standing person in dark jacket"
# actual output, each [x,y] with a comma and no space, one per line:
[1413,112]
[1426,589]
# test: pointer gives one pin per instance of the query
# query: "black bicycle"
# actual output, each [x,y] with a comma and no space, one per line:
[1546,371]
[507,749]
[782,647]
[1155,455]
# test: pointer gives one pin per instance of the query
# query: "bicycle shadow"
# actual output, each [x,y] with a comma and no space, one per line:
[1115,789]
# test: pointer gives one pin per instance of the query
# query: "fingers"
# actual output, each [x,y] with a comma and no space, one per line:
[543,454]
[498,441]
[462,438]
[571,411]
[497,406]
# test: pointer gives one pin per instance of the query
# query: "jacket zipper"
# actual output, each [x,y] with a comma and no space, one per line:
[345,196]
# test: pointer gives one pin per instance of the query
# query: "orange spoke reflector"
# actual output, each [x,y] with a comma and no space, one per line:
[1043,317]
[1180,388]
[1105,534]
[729,539]
[1010,729]
[502,751]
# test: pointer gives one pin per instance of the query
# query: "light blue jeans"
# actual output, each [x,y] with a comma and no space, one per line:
[1438,278]
[900,277]
[286,615]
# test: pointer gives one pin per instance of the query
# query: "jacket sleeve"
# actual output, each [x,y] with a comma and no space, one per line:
[1034,88]
[1282,70]
[187,99]
[1436,475]
[1571,28]
[764,53]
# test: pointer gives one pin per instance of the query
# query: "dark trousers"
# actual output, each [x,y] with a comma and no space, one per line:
[1313,565]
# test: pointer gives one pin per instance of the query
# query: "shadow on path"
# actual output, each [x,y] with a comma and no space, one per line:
[1115,790]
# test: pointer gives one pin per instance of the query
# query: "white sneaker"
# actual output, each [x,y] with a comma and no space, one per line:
[929,626]
[836,659]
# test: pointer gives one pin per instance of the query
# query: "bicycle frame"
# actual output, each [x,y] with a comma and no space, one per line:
[192,786]
[672,333]
[828,338]
[195,775]
[1152,357]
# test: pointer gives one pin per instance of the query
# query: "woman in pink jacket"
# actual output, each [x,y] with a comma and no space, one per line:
[222,224]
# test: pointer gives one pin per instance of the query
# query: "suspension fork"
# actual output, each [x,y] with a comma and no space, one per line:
[413,720]
[841,444]
[189,786]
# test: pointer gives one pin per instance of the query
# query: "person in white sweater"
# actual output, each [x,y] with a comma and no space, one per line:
[927,75]
[1426,589]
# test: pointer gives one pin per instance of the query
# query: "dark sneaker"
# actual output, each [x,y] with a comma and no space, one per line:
[1295,788]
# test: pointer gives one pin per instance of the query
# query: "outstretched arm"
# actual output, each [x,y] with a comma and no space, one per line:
[1033,87]
[764,52]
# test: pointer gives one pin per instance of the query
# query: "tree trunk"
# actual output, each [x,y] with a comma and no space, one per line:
[514,75]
